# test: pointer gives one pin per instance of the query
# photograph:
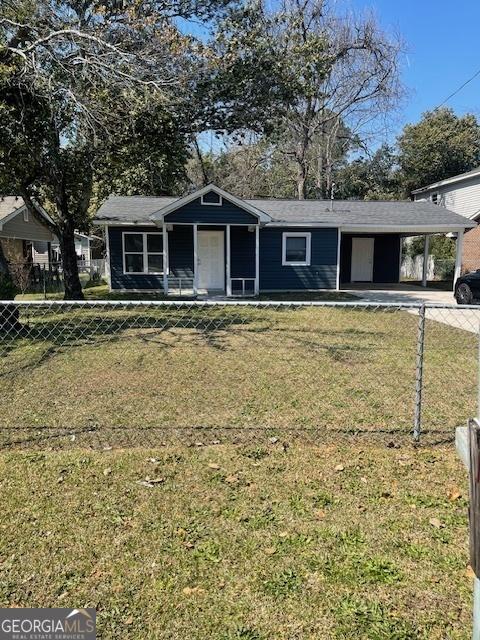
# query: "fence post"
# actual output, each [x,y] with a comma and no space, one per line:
[417,421]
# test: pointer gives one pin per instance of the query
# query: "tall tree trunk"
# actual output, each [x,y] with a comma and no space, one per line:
[73,287]
[198,151]
[301,180]
[9,313]
[4,270]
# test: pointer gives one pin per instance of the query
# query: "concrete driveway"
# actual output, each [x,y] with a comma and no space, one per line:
[467,319]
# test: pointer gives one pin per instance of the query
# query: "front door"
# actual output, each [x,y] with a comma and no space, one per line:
[211,260]
[362,259]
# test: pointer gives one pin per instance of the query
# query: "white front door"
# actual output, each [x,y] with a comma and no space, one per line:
[362,259]
[211,260]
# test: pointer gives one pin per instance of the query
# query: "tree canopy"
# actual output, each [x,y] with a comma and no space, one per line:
[94,97]
[439,146]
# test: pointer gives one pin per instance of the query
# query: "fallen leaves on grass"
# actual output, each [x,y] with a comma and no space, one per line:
[435,522]
[191,591]
[454,494]
[213,465]
[470,573]
[150,482]
[339,467]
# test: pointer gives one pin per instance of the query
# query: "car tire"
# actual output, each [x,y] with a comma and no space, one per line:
[463,294]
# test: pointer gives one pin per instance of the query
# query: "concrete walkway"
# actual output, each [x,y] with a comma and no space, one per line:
[466,319]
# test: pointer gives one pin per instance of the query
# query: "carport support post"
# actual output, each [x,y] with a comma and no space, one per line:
[195,259]
[426,248]
[458,257]
[417,421]
[165,259]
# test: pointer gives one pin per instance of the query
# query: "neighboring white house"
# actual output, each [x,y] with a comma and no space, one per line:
[460,194]
[82,247]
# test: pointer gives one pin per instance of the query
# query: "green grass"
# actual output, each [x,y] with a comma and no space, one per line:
[329,369]
[271,538]
[102,292]
[237,542]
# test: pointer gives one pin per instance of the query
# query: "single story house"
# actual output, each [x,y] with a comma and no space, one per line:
[24,237]
[461,194]
[84,246]
[211,242]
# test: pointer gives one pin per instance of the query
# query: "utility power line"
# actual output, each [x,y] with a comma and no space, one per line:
[475,75]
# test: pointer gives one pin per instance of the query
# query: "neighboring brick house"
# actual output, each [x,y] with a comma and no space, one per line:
[460,194]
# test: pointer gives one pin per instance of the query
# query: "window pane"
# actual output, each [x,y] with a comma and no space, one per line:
[133,263]
[154,243]
[296,249]
[155,264]
[134,242]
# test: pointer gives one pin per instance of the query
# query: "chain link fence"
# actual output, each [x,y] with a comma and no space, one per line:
[32,277]
[117,374]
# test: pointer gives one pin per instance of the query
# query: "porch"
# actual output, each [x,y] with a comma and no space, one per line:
[211,259]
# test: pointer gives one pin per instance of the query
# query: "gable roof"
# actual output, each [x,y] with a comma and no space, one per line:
[11,206]
[210,188]
[343,213]
[454,179]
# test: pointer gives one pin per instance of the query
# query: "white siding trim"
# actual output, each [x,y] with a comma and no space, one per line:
[195,259]
[108,267]
[144,252]
[308,245]
[228,275]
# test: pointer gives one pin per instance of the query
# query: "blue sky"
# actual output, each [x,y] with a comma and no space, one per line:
[442,41]
[442,52]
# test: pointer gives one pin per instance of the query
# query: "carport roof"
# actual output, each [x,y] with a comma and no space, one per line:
[388,215]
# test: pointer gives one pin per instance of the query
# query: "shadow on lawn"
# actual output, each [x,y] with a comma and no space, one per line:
[100,437]
[41,337]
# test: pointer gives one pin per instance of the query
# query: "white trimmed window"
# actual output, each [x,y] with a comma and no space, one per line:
[143,252]
[296,249]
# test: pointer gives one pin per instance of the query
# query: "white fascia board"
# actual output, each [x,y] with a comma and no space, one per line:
[445,228]
[452,180]
[161,213]
[122,223]
[304,225]
[13,214]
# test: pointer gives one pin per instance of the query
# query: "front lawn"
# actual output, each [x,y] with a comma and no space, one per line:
[102,292]
[253,542]
[333,370]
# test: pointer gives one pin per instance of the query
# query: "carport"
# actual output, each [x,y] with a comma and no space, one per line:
[374,257]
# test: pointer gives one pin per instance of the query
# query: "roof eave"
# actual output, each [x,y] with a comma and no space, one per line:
[441,183]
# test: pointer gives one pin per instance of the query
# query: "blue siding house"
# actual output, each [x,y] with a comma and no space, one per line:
[211,242]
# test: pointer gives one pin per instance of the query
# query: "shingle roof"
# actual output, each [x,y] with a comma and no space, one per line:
[358,212]
[9,204]
[137,209]
[132,208]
